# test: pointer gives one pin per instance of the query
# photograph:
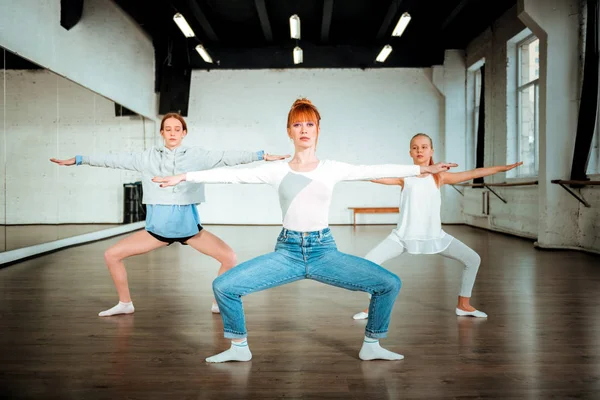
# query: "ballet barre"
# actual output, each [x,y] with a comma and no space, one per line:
[562,183]
[488,186]
[373,210]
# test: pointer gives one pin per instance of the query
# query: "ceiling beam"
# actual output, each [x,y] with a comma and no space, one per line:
[454,13]
[326,24]
[317,56]
[389,18]
[201,18]
[261,8]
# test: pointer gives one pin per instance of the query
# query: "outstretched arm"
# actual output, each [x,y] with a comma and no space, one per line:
[64,163]
[451,178]
[215,159]
[349,172]
[131,161]
[389,181]
[262,174]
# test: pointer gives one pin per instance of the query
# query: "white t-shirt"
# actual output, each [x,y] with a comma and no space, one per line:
[304,197]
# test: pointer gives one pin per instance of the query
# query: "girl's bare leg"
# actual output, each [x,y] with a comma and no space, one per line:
[209,244]
[139,243]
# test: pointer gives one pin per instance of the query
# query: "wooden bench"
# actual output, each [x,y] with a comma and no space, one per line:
[373,210]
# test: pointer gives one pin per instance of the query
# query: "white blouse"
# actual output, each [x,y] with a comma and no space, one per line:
[304,197]
[419,228]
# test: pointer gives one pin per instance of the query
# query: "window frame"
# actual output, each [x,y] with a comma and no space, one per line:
[474,79]
[520,89]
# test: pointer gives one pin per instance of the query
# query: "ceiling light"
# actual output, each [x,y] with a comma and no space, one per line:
[295,27]
[183,25]
[401,25]
[384,53]
[298,56]
[204,54]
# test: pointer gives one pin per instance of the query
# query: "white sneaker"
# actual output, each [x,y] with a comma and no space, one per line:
[476,313]
[361,315]
[214,308]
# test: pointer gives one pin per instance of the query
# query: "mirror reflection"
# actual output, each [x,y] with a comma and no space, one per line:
[47,116]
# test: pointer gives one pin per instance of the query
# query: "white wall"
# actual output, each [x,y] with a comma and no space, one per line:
[49,116]
[106,51]
[556,23]
[545,212]
[368,117]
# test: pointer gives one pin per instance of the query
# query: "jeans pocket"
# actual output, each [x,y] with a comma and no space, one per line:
[281,238]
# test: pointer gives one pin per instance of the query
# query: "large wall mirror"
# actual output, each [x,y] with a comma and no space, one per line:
[44,115]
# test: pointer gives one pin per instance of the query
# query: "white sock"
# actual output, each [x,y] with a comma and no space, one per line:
[121,308]
[239,351]
[371,350]
[361,315]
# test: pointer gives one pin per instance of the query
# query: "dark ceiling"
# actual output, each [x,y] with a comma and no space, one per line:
[254,34]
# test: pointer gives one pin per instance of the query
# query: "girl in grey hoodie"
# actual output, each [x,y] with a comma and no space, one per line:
[171,213]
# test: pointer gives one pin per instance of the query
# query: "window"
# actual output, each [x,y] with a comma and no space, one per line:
[593,167]
[476,101]
[473,104]
[528,94]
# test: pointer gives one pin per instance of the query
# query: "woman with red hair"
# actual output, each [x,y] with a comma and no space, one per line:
[305,247]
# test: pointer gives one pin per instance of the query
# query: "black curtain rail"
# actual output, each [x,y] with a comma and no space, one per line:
[588,106]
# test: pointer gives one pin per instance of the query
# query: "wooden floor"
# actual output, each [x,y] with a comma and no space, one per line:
[541,341]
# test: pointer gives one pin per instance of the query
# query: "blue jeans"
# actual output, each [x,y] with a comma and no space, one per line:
[306,255]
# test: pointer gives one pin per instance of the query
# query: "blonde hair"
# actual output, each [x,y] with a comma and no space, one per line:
[436,177]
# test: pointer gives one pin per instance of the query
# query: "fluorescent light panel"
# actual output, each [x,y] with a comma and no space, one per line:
[183,25]
[298,55]
[295,27]
[384,53]
[401,25]
[204,54]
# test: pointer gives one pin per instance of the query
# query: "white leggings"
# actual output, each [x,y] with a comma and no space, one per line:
[457,250]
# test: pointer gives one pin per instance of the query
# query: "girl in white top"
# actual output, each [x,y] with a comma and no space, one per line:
[419,229]
[305,248]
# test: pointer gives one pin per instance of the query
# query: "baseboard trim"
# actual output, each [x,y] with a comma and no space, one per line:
[18,255]
[537,245]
